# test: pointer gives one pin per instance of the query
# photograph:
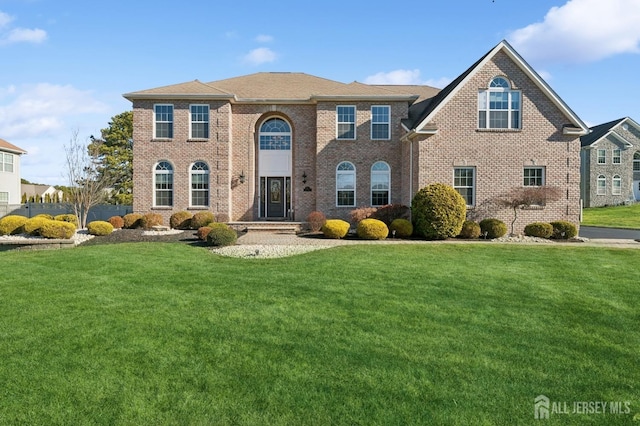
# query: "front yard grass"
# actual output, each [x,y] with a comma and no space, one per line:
[371,334]
[613,216]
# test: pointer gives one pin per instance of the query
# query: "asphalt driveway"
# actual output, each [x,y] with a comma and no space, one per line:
[593,232]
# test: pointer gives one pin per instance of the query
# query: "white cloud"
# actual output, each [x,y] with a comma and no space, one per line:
[263,38]
[581,31]
[18,35]
[259,56]
[5,19]
[405,77]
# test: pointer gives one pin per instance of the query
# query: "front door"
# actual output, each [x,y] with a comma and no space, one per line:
[275,197]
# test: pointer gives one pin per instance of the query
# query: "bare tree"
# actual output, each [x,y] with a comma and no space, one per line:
[522,197]
[86,186]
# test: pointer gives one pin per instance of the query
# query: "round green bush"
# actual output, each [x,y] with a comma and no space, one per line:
[132,220]
[438,212]
[402,227]
[180,220]
[221,235]
[563,230]
[538,229]
[71,218]
[493,228]
[372,229]
[32,226]
[58,229]
[201,219]
[149,220]
[99,228]
[470,230]
[116,221]
[335,228]
[12,224]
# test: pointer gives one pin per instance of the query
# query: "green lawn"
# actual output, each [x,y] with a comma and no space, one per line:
[613,217]
[143,334]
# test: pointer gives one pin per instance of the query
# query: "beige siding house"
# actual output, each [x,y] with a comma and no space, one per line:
[277,146]
[10,173]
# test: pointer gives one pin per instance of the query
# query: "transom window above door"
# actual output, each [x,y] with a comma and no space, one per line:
[275,134]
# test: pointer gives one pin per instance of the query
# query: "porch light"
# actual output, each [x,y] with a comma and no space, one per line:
[242,177]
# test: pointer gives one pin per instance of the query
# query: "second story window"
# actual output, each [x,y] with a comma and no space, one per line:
[602,156]
[6,162]
[499,106]
[163,121]
[346,118]
[380,122]
[616,156]
[199,122]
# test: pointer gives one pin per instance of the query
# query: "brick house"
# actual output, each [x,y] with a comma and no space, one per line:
[610,157]
[277,146]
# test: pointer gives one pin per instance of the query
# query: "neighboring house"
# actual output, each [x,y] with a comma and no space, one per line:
[610,157]
[277,146]
[10,173]
[40,192]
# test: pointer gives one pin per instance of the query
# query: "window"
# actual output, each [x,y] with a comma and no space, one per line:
[275,134]
[346,184]
[163,121]
[636,161]
[163,184]
[4,198]
[616,156]
[533,176]
[346,122]
[200,184]
[464,183]
[199,122]
[602,185]
[616,185]
[380,122]
[380,183]
[6,162]
[602,156]
[499,106]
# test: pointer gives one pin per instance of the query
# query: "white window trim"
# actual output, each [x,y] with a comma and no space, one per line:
[544,176]
[155,190]
[614,157]
[191,190]
[4,162]
[473,187]
[616,190]
[191,122]
[509,110]
[604,156]
[602,178]
[355,182]
[6,200]
[380,172]
[155,133]
[388,122]
[355,123]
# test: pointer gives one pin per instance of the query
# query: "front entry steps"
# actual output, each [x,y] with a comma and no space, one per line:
[268,226]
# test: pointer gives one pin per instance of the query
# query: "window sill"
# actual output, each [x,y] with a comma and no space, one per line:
[162,208]
[198,208]
[498,130]
[532,207]
[162,140]
[198,140]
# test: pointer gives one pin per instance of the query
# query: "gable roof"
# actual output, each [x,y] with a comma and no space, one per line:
[431,107]
[9,147]
[604,130]
[189,89]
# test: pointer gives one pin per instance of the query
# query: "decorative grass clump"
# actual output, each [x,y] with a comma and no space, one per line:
[180,220]
[99,228]
[438,212]
[132,220]
[372,229]
[335,228]
[57,229]
[203,232]
[116,221]
[538,229]
[71,218]
[201,219]
[221,235]
[32,226]
[316,221]
[493,228]
[149,220]
[563,230]
[470,230]
[12,224]
[402,227]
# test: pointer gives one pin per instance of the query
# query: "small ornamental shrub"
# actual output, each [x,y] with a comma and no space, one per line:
[221,235]
[372,229]
[149,220]
[402,227]
[12,224]
[116,221]
[132,220]
[361,213]
[71,218]
[57,229]
[391,212]
[99,228]
[438,212]
[45,215]
[470,230]
[493,228]
[180,220]
[538,229]
[201,219]
[563,230]
[202,232]
[335,228]
[316,220]
[32,226]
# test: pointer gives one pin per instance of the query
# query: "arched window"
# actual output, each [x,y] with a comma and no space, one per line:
[345,184]
[163,184]
[616,185]
[499,106]
[275,134]
[602,185]
[380,183]
[200,184]
[636,161]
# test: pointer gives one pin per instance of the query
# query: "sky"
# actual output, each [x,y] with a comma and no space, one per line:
[65,64]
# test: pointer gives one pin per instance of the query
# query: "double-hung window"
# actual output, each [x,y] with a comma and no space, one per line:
[533,176]
[345,184]
[380,183]
[464,183]
[346,118]
[380,122]
[499,106]
[4,198]
[6,162]
[199,122]
[602,156]
[200,184]
[163,121]
[163,184]
[636,161]
[616,156]
[602,185]
[616,185]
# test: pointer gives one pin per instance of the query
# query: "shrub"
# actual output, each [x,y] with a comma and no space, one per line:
[316,221]
[45,215]
[71,218]
[12,224]
[116,221]
[149,220]
[201,219]
[438,211]
[132,220]
[202,232]
[372,229]
[57,229]
[99,228]
[493,228]
[538,229]
[361,213]
[470,230]
[221,235]
[402,227]
[335,228]
[180,220]
[32,226]
[563,230]
[391,212]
